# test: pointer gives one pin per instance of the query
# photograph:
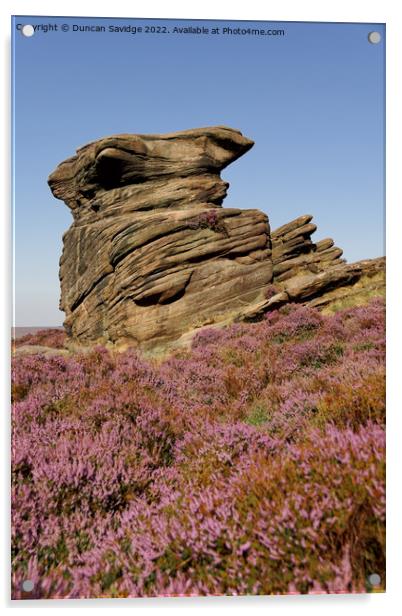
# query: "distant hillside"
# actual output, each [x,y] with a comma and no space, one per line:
[18,332]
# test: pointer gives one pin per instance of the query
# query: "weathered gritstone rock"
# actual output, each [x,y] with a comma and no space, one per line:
[345,283]
[151,253]
[368,281]
[293,251]
[152,256]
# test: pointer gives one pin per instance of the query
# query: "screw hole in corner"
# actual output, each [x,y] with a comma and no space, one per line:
[28,585]
[27,30]
[374,38]
[374,579]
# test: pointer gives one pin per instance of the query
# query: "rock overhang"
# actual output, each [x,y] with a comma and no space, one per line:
[125,159]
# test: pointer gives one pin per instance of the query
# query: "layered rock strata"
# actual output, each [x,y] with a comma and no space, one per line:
[294,252]
[151,253]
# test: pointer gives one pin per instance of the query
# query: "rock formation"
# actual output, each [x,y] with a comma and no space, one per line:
[151,255]
[293,251]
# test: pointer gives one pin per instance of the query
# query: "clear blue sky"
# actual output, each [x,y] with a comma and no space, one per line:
[312,100]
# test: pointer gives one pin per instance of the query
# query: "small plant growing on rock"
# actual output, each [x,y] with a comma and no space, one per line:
[208,220]
[270,291]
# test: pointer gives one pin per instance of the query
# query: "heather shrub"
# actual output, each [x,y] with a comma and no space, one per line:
[251,463]
[271,290]
[54,338]
[292,321]
[353,405]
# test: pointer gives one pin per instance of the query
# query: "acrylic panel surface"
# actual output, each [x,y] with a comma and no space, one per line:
[198,376]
